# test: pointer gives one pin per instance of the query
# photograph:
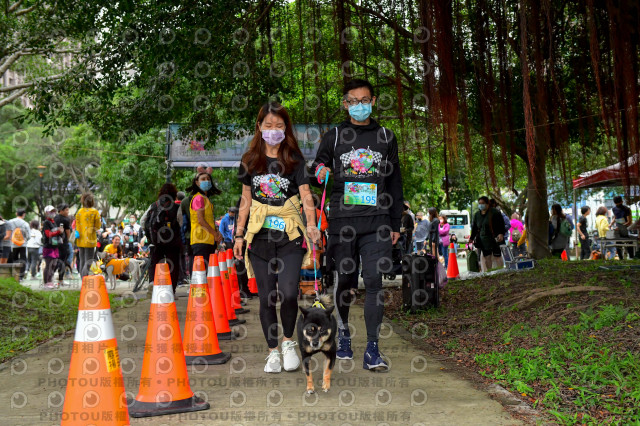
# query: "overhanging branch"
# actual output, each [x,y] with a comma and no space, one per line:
[14,6]
[10,60]
[27,10]
[30,84]
[401,30]
[12,97]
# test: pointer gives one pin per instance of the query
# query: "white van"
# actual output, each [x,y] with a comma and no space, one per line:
[460,224]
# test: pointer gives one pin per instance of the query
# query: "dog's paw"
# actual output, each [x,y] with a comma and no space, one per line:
[325,388]
[310,391]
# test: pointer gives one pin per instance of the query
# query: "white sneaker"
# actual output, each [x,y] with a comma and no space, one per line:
[290,356]
[273,362]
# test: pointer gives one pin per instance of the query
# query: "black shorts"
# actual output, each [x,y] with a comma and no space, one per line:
[6,251]
[493,250]
[266,249]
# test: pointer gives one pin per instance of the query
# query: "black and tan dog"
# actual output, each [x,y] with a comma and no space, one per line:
[317,333]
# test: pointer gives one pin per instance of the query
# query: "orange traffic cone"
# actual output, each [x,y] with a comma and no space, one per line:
[452,269]
[164,382]
[200,336]
[564,256]
[95,389]
[253,285]
[236,300]
[226,288]
[217,300]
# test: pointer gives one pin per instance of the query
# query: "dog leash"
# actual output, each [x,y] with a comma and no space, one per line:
[317,303]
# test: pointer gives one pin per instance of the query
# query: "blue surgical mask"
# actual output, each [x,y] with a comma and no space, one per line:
[360,112]
[205,185]
[482,207]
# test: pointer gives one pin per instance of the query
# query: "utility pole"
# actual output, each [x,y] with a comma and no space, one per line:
[41,170]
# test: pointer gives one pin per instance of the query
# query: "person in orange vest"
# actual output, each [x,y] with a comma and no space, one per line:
[17,234]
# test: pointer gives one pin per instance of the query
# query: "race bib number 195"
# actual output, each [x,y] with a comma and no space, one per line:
[362,194]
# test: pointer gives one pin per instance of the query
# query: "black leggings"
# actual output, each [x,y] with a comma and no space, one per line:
[585,249]
[49,269]
[375,252]
[278,279]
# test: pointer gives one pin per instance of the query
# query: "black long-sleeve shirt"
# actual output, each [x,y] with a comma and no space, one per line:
[367,183]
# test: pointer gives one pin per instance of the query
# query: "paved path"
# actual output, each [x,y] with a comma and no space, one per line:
[415,391]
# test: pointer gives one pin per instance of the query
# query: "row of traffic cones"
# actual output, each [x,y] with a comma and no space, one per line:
[214,302]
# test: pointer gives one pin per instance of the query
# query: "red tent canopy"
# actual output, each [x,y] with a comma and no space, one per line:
[613,175]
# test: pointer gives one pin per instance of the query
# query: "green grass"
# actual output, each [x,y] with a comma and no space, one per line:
[28,318]
[582,370]
[577,364]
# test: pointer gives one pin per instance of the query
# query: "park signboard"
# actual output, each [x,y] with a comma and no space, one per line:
[190,149]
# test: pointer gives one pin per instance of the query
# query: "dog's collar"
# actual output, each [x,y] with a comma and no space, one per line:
[317,304]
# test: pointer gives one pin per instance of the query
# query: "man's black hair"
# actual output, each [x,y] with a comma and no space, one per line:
[357,83]
[484,198]
[62,206]
[584,209]
[20,212]
[617,199]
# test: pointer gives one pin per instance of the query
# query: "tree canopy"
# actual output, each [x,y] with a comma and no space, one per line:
[487,96]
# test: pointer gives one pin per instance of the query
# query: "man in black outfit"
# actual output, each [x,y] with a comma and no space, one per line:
[407,227]
[583,231]
[366,205]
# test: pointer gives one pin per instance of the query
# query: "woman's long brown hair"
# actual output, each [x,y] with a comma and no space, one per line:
[289,154]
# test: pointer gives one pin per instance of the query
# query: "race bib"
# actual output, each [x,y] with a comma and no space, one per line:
[274,222]
[361,194]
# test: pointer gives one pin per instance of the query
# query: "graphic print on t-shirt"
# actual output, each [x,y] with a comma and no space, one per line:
[361,162]
[270,186]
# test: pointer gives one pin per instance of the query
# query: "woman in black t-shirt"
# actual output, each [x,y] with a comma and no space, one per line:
[274,179]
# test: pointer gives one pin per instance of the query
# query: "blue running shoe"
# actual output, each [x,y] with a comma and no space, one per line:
[372,359]
[344,344]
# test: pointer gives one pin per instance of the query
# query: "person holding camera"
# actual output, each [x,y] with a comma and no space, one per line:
[52,241]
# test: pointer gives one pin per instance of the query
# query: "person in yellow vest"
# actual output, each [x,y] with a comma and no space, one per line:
[87,226]
[203,236]
[114,258]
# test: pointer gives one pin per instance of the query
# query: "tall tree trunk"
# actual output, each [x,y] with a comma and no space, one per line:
[345,56]
[303,79]
[448,92]
[537,217]
[426,49]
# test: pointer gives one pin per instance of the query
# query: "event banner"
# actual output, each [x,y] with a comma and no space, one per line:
[189,149]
